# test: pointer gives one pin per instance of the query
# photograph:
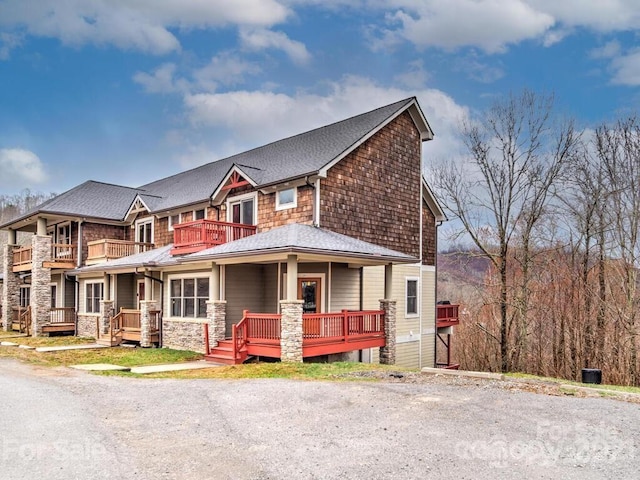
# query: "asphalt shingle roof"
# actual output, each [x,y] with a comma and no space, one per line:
[293,157]
[300,238]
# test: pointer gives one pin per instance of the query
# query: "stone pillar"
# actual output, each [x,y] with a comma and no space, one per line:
[40,283]
[291,330]
[106,312]
[216,317]
[388,352]
[10,287]
[146,306]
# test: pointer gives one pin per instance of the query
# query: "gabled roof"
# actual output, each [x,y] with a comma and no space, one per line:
[297,238]
[307,154]
[88,200]
[432,202]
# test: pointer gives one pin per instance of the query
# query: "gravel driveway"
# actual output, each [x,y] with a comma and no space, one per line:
[62,424]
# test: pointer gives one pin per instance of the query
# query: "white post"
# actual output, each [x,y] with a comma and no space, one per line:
[292,277]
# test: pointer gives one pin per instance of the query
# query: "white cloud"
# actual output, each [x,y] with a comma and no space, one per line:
[262,39]
[415,77]
[8,41]
[608,50]
[159,81]
[134,24]
[252,118]
[225,69]
[626,69]
[20,167]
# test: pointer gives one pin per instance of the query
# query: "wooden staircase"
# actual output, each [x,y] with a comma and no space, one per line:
[109,340]
[224,353]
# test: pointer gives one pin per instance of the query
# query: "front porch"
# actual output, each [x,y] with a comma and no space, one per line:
[130,325]
[60,320]
[260,335]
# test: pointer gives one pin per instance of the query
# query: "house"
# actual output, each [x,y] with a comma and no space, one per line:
[320,244]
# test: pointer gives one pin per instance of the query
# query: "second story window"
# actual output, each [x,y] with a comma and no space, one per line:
[242,209]
[144,230]
[200,214]
[286,198]
[174,220]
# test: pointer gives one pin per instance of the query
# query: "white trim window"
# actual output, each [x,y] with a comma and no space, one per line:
[174,220]
[287,198]
[94,293]
[144,230]
[243,209]
[188,297]
[412,305]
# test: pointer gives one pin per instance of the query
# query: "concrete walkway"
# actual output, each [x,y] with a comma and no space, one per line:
[70,347]
[170,367]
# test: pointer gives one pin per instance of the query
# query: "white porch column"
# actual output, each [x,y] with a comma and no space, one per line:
[148,286]
[11,238]
[41,227]
[214,286]
[292,277]
[388,281]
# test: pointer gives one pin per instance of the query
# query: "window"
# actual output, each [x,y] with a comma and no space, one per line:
[200,214]
[54,291]
[25,296]
[286,198]
[174,220]
[144,231]
[188,297]
[94,293]
[412,296]
[242,209]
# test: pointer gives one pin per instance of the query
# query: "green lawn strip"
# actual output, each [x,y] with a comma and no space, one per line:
[126,357]
[619,388]
[293,371]
[53,341]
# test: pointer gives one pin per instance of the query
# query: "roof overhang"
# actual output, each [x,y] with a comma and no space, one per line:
[220,193]
[137,206]
[418,119]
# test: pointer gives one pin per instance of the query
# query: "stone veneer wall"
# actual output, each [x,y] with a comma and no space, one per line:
[374,193]
[291,331]
[10,287]
[87,325]
[184,334]
[40,298]
[388,352]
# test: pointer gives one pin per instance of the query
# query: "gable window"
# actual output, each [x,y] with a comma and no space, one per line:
[94,293]
[412,297]
[144,230]
[242,209]
[173,220]
[286,198]
[188,297]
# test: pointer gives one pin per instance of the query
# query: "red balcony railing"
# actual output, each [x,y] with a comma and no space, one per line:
[447,315]
[194,236]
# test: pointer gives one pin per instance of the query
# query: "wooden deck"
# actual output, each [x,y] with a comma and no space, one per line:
[258,334]
[190,237]
[61,320]
[126,326]
[62,256]
[107,249]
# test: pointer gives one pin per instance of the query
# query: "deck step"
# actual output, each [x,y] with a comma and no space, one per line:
[108,342]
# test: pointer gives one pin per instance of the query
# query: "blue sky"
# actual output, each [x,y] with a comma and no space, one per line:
[128,91]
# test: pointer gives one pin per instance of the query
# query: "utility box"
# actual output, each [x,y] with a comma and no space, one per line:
[592,375]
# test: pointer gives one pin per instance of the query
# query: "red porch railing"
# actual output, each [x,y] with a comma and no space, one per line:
[447,315]
[198,235]
[322,333]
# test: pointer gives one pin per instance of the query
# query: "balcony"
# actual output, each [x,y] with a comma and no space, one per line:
[106,249]
[447,315]
[190,237]
[62,256]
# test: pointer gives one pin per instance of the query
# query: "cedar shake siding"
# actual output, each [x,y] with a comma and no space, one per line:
[428,236]
[374,193]
[97,231]
[269,217]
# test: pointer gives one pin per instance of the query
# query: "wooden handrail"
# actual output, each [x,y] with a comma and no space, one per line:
[62,315]
[107,249]
[344,326]
[208,233]
[447,315]
[239,334]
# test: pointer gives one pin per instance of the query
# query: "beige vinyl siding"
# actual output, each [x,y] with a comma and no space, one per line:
[126,291]
[69,293]
[244,290]
[404,325]
[428,317]
[373,286]
[58,282]
[345,288]
[271,302]
[408,354]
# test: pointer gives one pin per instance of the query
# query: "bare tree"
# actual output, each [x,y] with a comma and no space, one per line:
[516,153]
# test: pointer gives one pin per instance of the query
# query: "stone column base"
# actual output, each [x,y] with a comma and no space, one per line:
[291,331]
[388,352]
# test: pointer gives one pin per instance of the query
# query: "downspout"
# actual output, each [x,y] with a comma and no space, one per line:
[435,337]
[316,200]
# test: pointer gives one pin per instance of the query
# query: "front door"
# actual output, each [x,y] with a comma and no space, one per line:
[140,292]
[309,292]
